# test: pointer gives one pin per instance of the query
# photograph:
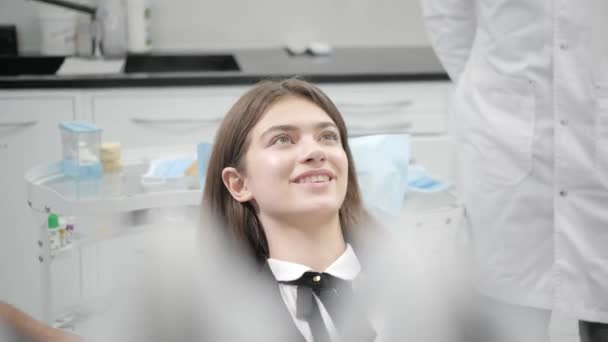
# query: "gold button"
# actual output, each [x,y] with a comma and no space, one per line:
[316,278]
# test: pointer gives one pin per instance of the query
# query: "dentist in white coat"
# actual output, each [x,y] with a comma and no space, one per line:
[531,105]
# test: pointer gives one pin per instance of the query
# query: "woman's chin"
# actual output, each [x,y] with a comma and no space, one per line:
[318,210]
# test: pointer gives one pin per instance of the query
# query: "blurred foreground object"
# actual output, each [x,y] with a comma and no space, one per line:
[15,325]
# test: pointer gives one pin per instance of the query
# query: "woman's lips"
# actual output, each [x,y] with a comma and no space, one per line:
[314,176]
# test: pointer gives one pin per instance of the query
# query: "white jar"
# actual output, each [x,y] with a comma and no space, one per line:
[138,26]
[113,22]
[84,36]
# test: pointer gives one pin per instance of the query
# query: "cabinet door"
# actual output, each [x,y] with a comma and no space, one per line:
[418,108]
[29,136]
[155,117]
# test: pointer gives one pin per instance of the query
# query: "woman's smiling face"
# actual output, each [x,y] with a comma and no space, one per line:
[295,164]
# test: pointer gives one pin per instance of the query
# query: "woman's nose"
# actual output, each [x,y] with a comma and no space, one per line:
[316,155]
[312,153]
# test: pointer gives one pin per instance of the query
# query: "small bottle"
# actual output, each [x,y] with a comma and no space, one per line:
[62,237]
[69,230]
[53,229]
[61,231]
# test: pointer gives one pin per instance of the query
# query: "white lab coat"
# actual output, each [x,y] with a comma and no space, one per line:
[531,107]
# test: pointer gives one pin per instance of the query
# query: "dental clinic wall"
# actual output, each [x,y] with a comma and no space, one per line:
[180,25]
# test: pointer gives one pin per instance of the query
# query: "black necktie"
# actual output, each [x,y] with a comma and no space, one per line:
[337,297]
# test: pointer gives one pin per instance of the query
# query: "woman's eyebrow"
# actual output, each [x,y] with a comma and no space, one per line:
[325,124]
[280,128]
[293,128]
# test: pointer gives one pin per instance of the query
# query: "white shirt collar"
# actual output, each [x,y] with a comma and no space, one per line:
[346,267]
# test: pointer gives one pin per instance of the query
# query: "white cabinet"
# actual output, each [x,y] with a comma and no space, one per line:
[29,136]
[161,117]
[415,107]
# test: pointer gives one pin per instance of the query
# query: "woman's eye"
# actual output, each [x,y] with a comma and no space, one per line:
[281,140]
[331,136]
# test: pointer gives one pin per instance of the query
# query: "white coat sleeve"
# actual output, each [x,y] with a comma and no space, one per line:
[451,26]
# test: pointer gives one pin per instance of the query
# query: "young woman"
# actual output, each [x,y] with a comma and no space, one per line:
[282,180]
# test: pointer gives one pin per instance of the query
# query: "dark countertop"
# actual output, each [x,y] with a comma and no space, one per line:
[343,65]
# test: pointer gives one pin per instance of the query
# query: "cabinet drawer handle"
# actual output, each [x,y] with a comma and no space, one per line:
[175,121]
[367,106]
[18,124]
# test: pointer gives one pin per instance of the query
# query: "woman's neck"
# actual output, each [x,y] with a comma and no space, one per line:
[316,244]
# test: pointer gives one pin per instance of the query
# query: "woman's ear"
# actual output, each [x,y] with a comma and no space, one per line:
[235,183]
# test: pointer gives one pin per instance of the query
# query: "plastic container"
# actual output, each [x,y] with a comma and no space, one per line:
[81,143]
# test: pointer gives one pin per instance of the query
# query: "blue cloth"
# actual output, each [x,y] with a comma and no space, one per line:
[381,164]
[168,168]
[419,180]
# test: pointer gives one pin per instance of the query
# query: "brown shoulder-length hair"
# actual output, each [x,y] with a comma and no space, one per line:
[231,144]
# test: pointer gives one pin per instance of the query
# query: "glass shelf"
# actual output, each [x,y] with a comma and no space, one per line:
[49,190]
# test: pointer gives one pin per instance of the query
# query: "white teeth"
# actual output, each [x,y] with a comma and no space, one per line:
[313,179]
